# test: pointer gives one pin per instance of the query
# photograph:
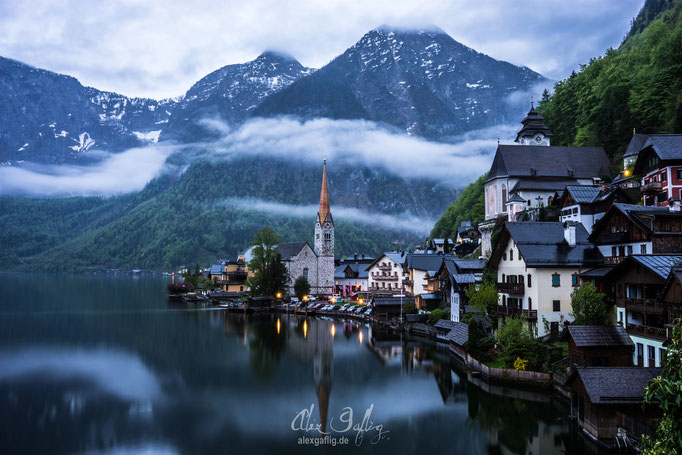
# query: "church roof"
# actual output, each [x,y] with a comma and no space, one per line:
[636,144]
[289,250]
[550,162]
[324,210]
[533,124]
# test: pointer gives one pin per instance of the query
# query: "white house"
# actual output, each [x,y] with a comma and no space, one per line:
[386,273]
[538,266]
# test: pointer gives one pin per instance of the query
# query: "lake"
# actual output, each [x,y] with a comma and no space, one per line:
[104,364]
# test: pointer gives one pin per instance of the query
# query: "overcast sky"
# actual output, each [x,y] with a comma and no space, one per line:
[159,48]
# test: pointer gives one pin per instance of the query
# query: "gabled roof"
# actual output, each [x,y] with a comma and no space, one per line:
[445,324]
[359,270]
[427,262]
[636,144]
[584,194]
[598,335]
[668,147]
[615,385]
[398,258]
[289,250]
[217,269]
[642,216]
[442,242]
[548,162]
[660,264]
[675,276]
[515,198]
[466,278]
[469,265]
[459,334]
[542,244]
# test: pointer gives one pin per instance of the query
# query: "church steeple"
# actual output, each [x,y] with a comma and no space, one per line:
[534,131]
[324,209]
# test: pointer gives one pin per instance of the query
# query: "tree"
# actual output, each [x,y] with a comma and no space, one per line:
[589,307]
[438,314]
[515,341]
[301,287]
[665,391]
[483,298]
[270,274]
[197,270]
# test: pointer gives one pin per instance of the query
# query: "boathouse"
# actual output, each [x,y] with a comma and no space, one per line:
[599,346]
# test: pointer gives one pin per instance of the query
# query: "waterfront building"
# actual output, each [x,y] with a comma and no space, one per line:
[599,346]
[538,266]
[386,273]
[638,282]
[453,278]
[351,275]
[231,276]
[627,229]
[587,204]
[606,402]
[530,173]
[660,162]
[419,268]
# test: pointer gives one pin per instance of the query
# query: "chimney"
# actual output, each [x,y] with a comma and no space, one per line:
[355,256]
[569,233]
[674,204]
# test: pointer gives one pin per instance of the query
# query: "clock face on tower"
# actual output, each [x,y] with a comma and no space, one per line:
[326,224]
[538,138]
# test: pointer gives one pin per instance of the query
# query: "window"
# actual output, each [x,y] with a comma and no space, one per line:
[504,256]
[305,273]
[575,210]
[679,174]
[327,236]
[613,251]
[652,356]
[504,194]
[556,280]
[521,279]
[629,250]
[556,305]
[511,255]
[574,280]
[661,351]
[664,177]
[642,249]
[530,303]
[503,278]
[529,280]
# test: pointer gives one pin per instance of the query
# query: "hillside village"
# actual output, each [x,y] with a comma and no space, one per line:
[553,224]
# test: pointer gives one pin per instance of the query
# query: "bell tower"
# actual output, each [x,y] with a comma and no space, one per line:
[534,131]
[324,239]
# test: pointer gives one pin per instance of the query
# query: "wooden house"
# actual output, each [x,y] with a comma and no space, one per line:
[593,345]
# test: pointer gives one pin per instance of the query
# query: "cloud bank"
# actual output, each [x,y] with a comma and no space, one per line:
[116,173]
[405,222]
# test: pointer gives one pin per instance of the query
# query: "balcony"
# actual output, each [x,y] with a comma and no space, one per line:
[651,187]
[385,267]
[644,305]
[510,288]
[615,237]
[237,276]
[385,278]
[657,333]
[408,282]
[613,260]
[504,310]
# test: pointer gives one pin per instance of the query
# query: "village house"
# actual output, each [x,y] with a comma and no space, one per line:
[442,246]
[599,346]
[627,229]
[452,280]
[231,276]
[660,163]
[530,173]
[351,275]
[538,266]
[386,273]
[419,268]
[587,204]
[638,284]
[607,401]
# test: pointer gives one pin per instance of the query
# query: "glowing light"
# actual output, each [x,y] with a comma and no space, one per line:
[305,329]
[626,173]
[333,330]
[279,295]
[361,301]
[360,337]
[305,298]
[278,326]
[332,300]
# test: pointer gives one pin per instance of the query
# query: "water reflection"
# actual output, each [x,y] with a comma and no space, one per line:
[162,379]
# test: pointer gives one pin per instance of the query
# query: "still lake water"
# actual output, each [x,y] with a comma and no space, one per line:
[101,364]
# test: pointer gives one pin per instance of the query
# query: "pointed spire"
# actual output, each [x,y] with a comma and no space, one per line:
[324,210]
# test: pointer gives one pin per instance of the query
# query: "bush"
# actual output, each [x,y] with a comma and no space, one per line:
[438,314]
[301,287]
[516,341]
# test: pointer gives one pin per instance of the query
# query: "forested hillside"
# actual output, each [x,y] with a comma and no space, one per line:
[638,85]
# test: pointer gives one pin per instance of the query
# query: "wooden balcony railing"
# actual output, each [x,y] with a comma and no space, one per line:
[651,187]
[385,278]
[504,310]
[657,333]
[645,305]
[613,260]
[384,267]
[510,288]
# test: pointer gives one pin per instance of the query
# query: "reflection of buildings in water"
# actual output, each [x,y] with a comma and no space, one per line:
[315,344]
[548,438]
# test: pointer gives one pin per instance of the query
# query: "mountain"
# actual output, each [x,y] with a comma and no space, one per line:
[638,85]
[51,118]
[422,82]
[230,93]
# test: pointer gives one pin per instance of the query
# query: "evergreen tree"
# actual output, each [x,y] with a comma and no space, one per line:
[301,287]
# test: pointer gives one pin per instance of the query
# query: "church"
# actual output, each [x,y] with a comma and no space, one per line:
[531,172]
[317,264]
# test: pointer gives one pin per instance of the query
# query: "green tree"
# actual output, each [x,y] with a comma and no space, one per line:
[301,287]
[483,298]
[589,307]
[270,274]
[438,314]
[470,205]
[515,341]
[665,392]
